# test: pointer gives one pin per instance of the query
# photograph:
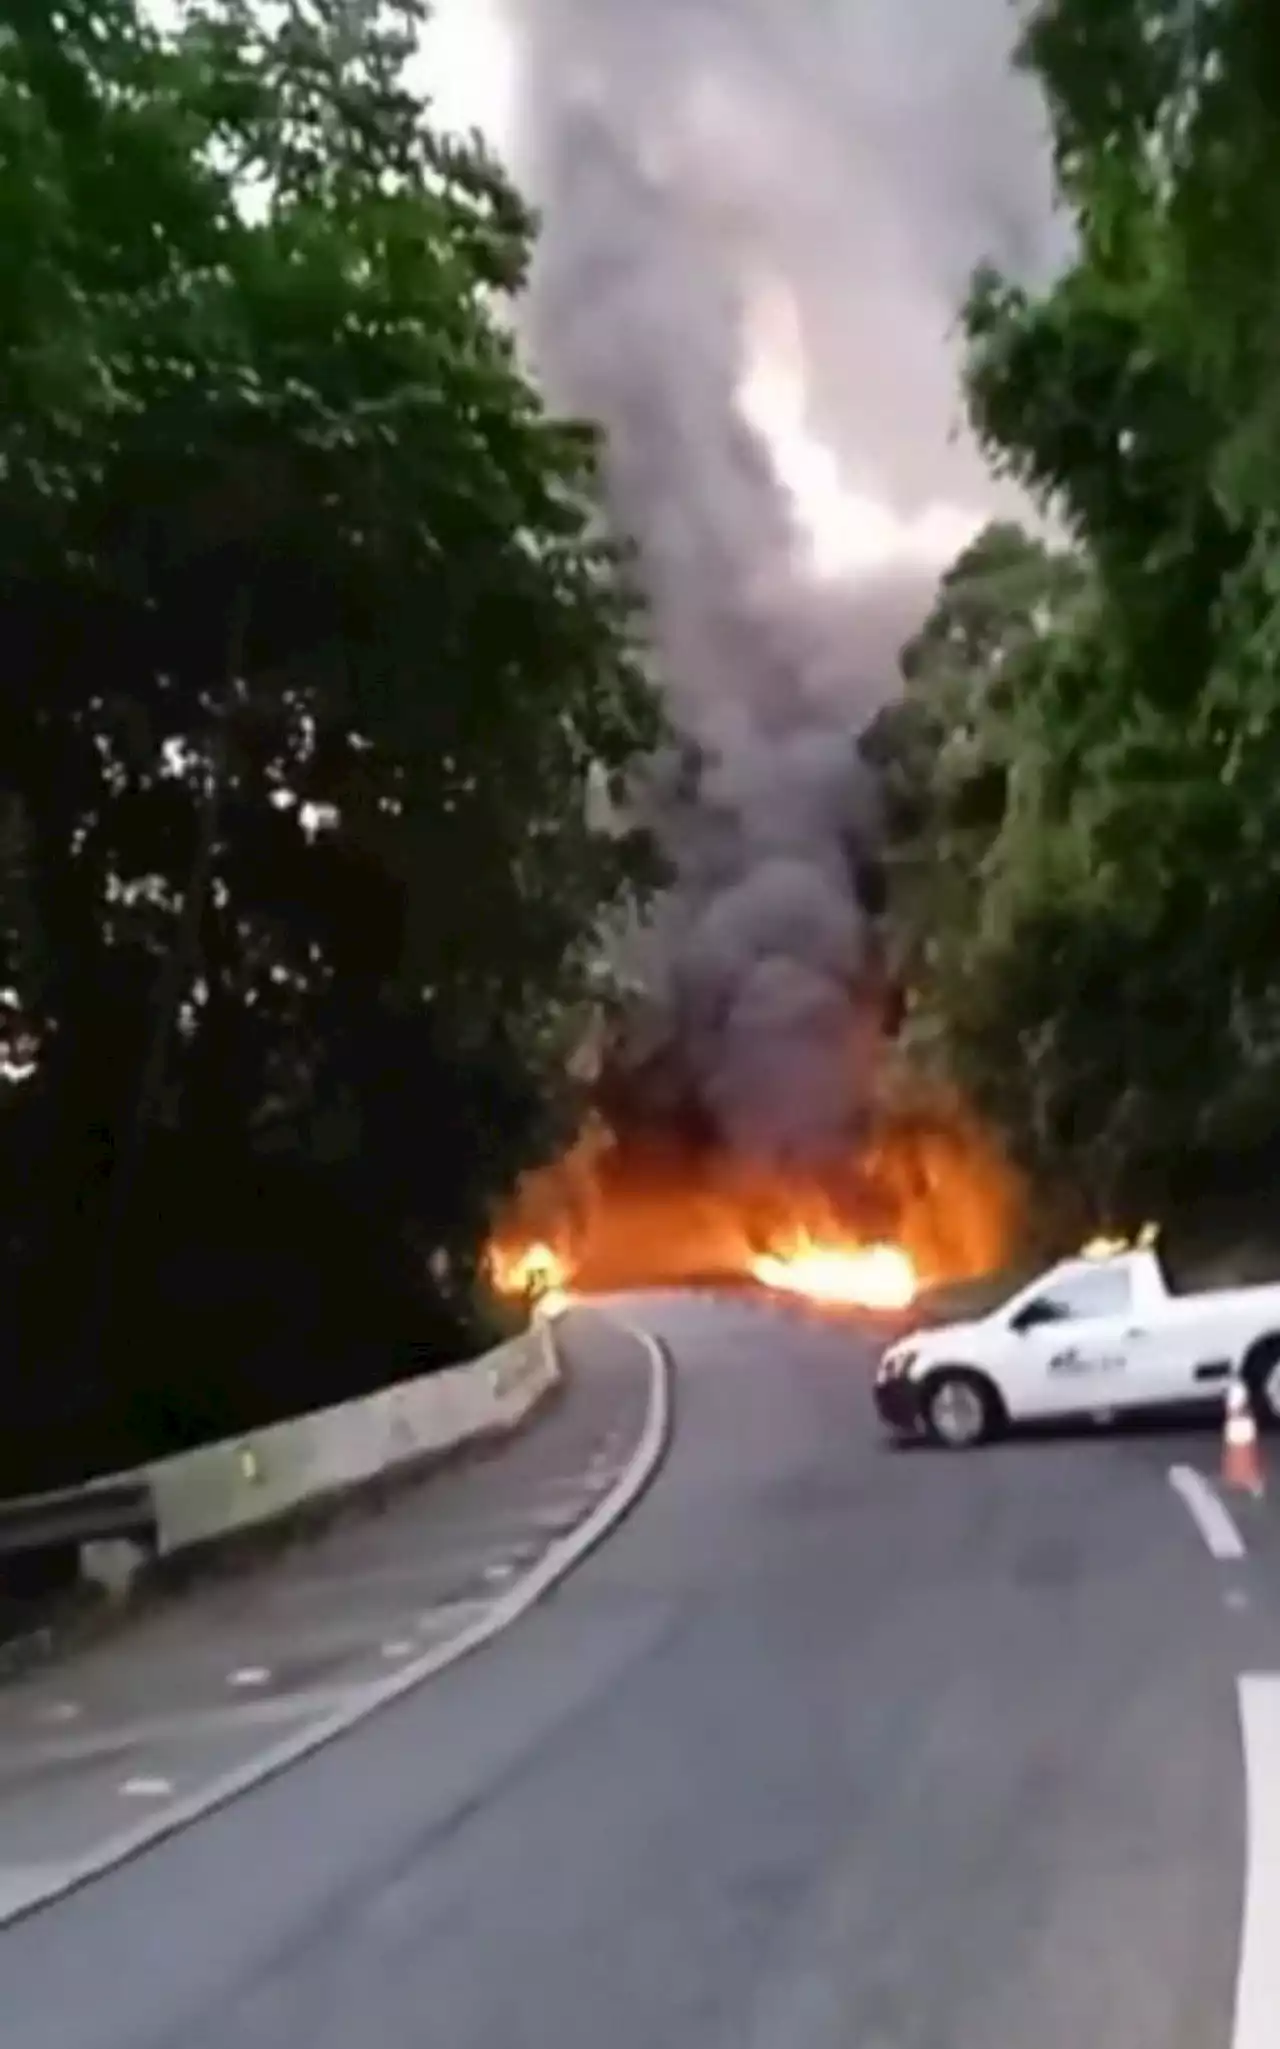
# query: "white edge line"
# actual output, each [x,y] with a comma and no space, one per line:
[1209,1513]
[556,1562]
[1257,1998]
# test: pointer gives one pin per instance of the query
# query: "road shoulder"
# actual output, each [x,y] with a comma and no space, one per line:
[117,1747]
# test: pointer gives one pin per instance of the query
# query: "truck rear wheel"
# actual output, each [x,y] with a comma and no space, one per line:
[960,1408]
[1262,1378]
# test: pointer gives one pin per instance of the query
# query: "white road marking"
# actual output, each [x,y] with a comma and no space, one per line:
[1236,1597]
[399,1647]
[249,1675]
[144,1788]
[1257,2014]
[1208,1512]
[59,1711]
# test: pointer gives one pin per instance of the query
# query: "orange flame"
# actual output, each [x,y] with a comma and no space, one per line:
[535,1273]
[926,1202]
[858,1277]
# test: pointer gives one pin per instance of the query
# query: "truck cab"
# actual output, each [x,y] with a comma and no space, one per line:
[1106,1334]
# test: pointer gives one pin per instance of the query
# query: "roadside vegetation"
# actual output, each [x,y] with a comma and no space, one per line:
[311,649]
[1083,775]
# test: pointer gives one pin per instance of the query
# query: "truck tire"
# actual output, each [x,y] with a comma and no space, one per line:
[960,1408]
[1261,1371]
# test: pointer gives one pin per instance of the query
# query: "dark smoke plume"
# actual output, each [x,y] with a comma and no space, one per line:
[695,160]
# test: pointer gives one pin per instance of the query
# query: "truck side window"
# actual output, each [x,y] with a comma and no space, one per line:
[1106,1291]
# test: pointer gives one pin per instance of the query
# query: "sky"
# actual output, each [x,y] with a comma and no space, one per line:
[469,66]
[876,462]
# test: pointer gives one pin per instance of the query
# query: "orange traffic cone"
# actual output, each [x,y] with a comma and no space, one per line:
[1241,1458]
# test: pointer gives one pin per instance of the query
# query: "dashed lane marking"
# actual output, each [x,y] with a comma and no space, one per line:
[1209,1513]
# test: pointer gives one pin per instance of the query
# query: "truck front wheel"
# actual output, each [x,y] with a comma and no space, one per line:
[960,1408]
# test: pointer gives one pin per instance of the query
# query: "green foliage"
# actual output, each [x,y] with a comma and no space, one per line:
[312,645]
[1084,774]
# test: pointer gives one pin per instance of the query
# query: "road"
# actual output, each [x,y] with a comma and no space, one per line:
[826,1748]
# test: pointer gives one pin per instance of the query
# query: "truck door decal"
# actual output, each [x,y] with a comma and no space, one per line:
[1071,1361]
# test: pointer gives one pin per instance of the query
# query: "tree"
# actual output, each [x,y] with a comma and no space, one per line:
[1097,945]
[313,642]
[951,749]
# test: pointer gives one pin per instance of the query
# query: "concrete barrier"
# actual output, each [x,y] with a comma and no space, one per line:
[119,1525]
[243,1482]
[232,1489]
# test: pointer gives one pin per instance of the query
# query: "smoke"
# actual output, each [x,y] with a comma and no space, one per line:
[759,217]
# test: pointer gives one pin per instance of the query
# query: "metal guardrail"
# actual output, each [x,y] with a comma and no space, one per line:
[78,1515]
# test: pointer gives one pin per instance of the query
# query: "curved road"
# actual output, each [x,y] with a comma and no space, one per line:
[826,1748]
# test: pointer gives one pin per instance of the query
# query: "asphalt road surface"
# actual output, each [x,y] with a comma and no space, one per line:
[828,1747]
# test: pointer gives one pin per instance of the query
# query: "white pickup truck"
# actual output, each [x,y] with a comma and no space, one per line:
[1092,1337]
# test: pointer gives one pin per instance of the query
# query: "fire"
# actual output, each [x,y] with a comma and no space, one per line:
[852,1277]
[536,1274]
[926,1202]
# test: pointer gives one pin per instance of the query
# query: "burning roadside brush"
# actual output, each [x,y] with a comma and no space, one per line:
[920,1206]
